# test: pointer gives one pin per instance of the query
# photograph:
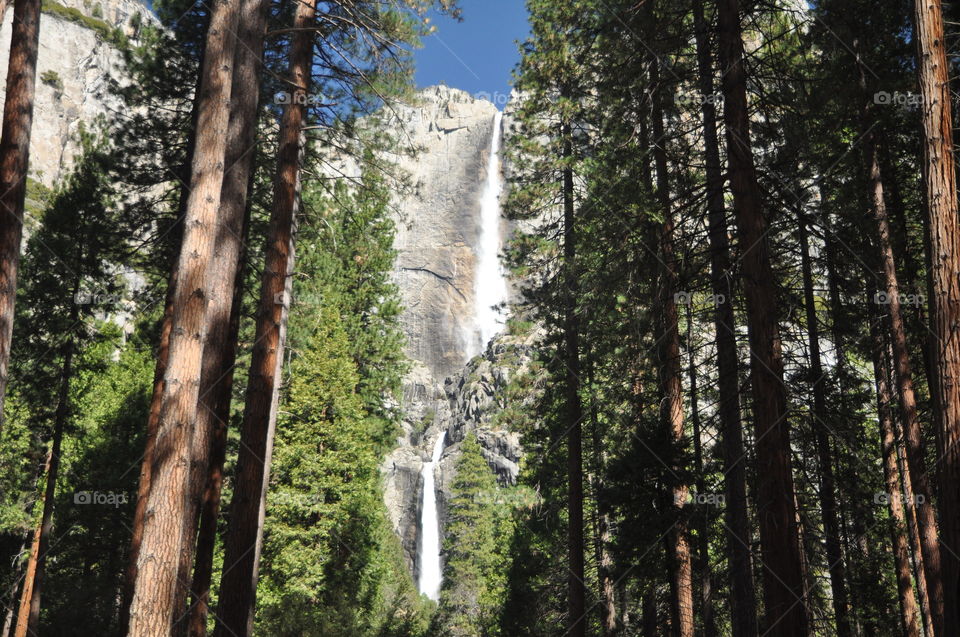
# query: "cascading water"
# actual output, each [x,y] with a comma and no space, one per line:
[490,283]
[490,290]
[430,574]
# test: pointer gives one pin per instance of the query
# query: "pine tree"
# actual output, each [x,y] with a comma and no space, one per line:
[14,162]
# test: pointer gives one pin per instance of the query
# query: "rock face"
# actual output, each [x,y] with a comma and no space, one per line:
[73,66]
[438,224]
[445,394]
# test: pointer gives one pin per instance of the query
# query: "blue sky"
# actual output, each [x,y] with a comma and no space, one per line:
[478,54]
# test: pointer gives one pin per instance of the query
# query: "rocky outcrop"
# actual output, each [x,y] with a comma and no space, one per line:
[467,402]
[74,67]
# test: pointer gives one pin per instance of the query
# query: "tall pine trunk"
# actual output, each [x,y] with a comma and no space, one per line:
[160,367]
[890,299]
[153,606]
[783,580]
[219,350]
[671,404]
[243,542]
[828,496]
[743,603]
[14,163]
[909,613]
[944,240]
[576,606]
[28,619]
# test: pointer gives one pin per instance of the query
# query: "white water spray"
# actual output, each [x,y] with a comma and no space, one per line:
[430,573]
[490,284]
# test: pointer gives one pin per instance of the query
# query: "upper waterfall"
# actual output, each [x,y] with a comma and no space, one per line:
[490,283]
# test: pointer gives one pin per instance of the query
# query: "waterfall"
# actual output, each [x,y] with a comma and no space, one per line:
[490,289]
[430,574]
[490,283]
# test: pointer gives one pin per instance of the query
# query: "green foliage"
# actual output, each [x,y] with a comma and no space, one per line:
[476,544]
[52,78]
[332,564]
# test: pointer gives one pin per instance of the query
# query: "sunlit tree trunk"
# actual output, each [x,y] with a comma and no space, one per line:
[14,163]
[909,613]
[944,240]
[219,352]
[889,298]
[153,606]
[160,369]
[244,539]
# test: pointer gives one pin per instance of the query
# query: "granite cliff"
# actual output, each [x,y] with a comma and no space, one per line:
[447,393]
[77,56]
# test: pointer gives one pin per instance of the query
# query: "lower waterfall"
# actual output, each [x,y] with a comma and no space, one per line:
[430,573]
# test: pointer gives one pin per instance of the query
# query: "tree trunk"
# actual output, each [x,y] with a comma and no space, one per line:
[890,298]
[210,507]
[909,613]
[152,608]
[743,603]
[671,404]
[26,594]
[783,571]
[219,350]
[828,497]
[604,536]
[245,531]
[576,607]
[28,620]
[14,163]
[703,517]
[160,369]
[944,238]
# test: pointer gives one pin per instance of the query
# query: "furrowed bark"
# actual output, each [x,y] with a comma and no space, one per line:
[14,163]
[219,351]
[244,537]
[944,241]
[153,606]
